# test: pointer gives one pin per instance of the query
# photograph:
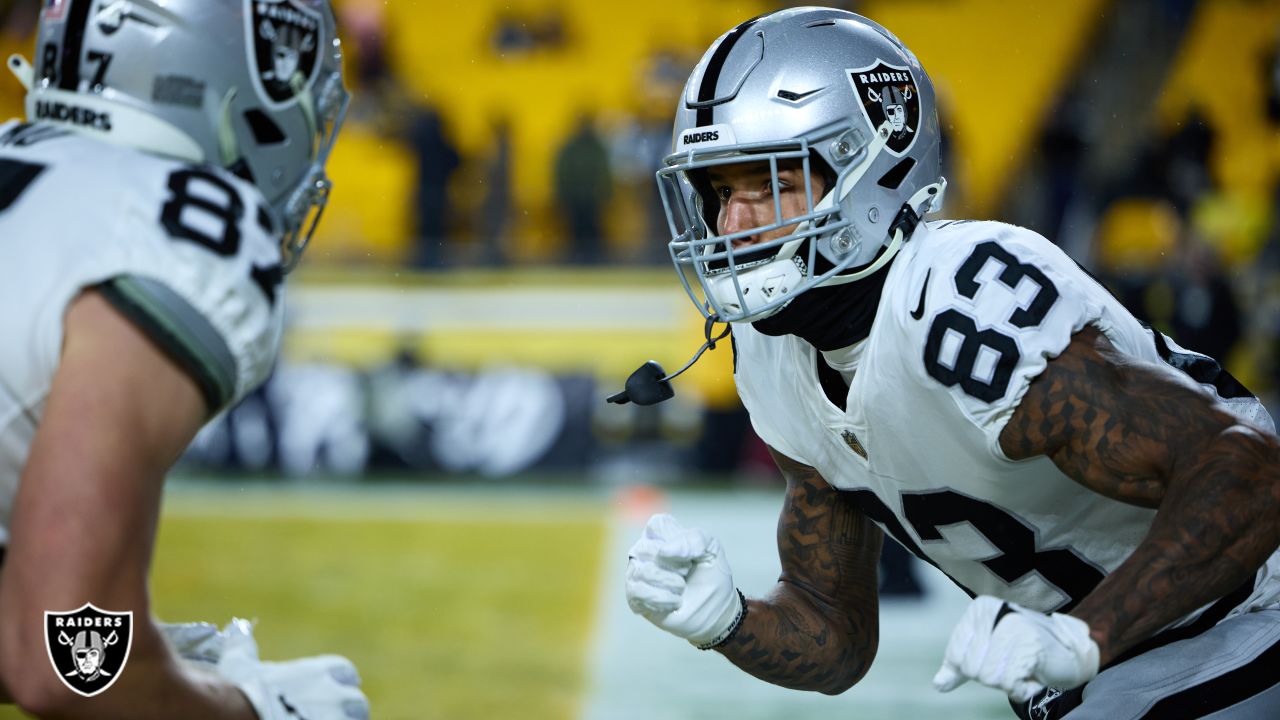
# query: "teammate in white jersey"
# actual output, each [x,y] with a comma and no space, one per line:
[169,174]
[1108,498]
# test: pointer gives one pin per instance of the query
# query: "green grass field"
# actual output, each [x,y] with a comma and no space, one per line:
[455,606]
[472,601]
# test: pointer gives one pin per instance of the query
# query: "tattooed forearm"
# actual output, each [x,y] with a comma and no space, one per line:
[819,628]
[1144,435]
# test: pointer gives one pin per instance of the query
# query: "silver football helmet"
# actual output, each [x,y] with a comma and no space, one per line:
[251,85]
[846,100]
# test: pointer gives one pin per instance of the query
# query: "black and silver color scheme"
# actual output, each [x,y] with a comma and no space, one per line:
[834,92]
[254,86]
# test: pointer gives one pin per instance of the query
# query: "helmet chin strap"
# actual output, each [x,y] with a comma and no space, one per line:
[922,202]
[228,148]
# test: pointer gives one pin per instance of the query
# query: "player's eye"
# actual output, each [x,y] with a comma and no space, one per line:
[723,193]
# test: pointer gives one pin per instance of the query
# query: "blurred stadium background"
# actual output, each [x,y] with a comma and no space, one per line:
[432,484]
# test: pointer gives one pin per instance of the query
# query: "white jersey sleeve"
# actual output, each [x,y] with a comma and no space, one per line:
[999,302]
[187,252]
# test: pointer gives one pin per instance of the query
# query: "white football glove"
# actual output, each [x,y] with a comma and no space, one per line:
[1020,651]
[679,579]
[199,642]
[316,688]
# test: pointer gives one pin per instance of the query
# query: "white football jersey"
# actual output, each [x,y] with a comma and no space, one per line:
[187,252]
[971,312]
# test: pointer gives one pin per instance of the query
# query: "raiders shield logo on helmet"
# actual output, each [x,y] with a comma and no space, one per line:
[88,647]
[285,39]
[888,92]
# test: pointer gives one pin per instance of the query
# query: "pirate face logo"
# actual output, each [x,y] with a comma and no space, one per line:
[285,39]
[888,93]
[88,647]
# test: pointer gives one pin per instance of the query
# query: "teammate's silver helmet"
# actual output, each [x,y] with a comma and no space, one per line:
[251,85]
[833,91]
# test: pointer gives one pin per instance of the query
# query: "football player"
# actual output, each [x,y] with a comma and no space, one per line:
[169,173]
[1108,498]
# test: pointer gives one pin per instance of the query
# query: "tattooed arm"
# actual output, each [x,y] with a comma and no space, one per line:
[1146,435]
[818,629]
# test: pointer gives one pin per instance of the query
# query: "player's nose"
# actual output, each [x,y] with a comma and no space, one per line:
[740,216]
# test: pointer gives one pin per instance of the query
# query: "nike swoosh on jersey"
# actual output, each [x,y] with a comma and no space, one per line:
[919,311]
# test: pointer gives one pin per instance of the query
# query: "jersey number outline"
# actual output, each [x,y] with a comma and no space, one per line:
[229,212]
[1015,539]
[974,339]
[226,214]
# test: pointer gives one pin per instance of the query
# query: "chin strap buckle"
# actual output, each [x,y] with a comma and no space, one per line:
[924,201]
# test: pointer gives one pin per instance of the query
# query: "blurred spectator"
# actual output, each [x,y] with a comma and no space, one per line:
[584,183]
[1187,154]
[494,223]
[637,149]
[1062,148]
[1271,74]
[437,161]
[1206,317]
[521,33]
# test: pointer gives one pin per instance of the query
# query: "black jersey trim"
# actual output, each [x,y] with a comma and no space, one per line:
[180,331]
[1232,687]
[1201,368]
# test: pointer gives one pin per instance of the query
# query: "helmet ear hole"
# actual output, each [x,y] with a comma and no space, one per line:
[897,174]
[265,130]
[829,176]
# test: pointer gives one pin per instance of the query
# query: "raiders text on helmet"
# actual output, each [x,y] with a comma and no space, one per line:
[251,85]
[836,94]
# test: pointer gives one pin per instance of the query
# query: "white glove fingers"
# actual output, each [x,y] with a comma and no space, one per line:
[1024,690]
[340,669]
[671,542]
[948,678]
[652,590]
[684,548]
[656,576]
[661,526]
[239,639]
[356,709]
[1021,654]
[678,579]
[653,603]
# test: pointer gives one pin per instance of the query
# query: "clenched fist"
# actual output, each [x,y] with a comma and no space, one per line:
[679,579]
